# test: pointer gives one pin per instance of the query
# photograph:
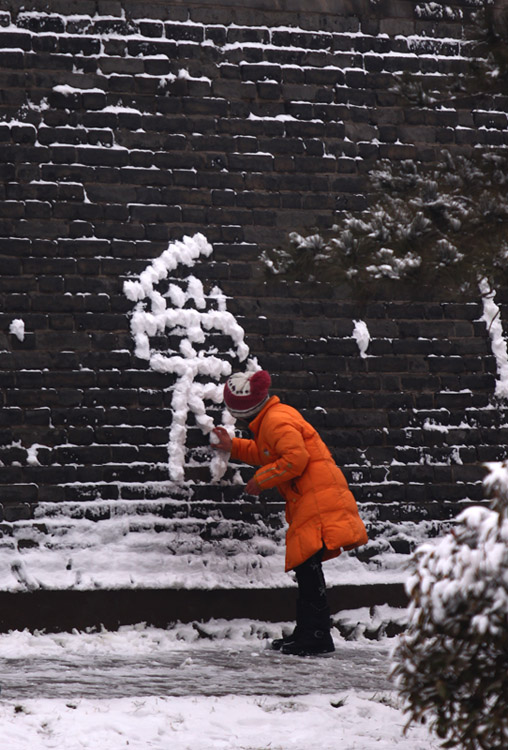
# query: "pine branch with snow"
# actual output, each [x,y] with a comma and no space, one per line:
[488,32]
[451,664]
[438,225]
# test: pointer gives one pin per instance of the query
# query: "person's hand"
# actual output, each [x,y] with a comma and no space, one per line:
[252,487]
[220,439]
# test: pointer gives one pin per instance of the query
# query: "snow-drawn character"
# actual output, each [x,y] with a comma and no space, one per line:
[321,511]
[185,313]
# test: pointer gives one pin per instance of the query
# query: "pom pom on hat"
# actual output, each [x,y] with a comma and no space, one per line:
[246,393]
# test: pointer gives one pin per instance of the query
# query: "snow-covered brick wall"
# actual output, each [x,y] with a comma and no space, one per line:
[126,127]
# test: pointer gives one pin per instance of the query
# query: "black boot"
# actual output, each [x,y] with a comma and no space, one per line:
[313,636]
[278,643]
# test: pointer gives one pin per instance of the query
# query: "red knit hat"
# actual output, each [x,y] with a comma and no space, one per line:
[245,393]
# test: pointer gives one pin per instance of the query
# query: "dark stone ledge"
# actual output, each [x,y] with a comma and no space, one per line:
[56,611]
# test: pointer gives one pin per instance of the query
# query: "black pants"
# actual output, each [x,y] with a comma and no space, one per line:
[311,581]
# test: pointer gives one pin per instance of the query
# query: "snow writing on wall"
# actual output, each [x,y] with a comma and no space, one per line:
[173,312]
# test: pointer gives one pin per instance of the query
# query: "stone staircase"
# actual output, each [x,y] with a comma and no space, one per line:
[411,424]
[124,127]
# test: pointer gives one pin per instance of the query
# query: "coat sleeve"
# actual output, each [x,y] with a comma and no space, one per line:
[291,460]
[245,451]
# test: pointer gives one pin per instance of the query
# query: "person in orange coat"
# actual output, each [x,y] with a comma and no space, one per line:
[321,511]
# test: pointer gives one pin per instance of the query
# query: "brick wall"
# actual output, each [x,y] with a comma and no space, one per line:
[126,125]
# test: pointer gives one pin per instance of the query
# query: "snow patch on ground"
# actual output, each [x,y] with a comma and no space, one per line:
[141,640]
[363,721]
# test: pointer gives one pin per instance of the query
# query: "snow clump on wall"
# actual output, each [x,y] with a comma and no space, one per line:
[17,328]
[492,317]
[362,336]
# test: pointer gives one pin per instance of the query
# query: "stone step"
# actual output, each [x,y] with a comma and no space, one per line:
[401,518]
[55,611]
[194,539]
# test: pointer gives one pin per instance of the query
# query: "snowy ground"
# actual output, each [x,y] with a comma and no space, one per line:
[313,722]
[332,716]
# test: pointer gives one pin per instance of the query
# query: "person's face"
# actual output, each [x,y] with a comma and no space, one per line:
[241,423]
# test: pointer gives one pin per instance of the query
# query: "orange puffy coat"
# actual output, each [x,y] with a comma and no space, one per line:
[320,509]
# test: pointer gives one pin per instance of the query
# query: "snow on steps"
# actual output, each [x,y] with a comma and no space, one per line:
[227,528]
